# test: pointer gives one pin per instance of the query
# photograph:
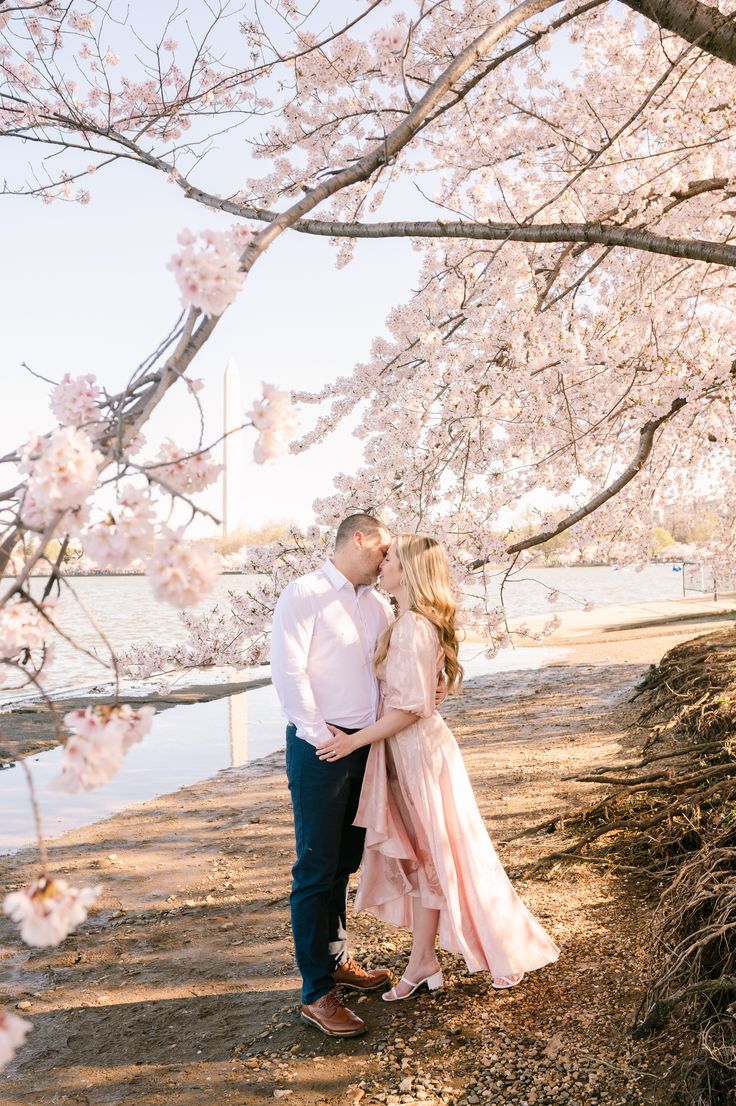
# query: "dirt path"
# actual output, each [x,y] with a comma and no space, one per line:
[182,988]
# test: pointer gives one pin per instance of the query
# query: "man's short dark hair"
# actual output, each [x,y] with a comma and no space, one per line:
[367,524]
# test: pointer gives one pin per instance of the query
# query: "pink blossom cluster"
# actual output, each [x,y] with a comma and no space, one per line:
[389,40]
[126,534]
[13,1032]
[236,635]
[181,573]
[274,417]
[549,627]
[209,274]
[100,738]
[37,518]
[185,471]
[76,400]
[49,910]
[80,22]
[63,472]
[23,626]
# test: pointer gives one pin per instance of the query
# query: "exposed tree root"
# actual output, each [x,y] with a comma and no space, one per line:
[678,822]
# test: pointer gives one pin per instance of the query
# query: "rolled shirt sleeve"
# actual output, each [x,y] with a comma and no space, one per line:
[293,626]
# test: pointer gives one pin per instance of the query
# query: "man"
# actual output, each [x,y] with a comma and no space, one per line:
[325,630]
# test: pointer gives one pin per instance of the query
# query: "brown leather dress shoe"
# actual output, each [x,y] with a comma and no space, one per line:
[351,975]
[332,1017]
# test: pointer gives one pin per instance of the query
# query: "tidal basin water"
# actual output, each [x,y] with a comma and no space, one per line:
[187,743]
[124,610]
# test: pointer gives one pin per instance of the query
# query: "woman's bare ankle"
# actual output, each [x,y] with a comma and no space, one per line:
[421,967]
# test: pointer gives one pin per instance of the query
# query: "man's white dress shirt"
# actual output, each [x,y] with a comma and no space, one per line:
[322,646]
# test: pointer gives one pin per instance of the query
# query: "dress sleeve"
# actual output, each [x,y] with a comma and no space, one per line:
[411,666]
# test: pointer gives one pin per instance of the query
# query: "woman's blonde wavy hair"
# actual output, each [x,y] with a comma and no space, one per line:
[427,579]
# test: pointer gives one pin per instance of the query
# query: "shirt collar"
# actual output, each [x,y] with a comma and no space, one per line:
[337,579]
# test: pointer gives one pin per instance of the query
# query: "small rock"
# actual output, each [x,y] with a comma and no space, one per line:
[553,1046]
[281,1094]
[24,1005]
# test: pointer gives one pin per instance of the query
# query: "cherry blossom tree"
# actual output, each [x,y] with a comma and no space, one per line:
[585,334]
[565,172]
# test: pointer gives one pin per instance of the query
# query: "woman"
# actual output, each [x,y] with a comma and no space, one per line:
[429,864]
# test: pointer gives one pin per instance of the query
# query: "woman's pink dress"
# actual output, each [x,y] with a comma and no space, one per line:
[425,836]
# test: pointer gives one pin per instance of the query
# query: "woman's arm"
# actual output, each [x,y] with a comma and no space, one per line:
[342,744]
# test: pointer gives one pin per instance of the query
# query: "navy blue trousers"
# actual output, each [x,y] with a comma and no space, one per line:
[328,848]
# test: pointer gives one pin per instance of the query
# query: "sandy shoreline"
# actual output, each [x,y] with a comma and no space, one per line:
[182,986]
[660,617]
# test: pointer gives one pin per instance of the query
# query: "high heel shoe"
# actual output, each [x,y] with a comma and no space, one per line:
[434,983]
[505,982]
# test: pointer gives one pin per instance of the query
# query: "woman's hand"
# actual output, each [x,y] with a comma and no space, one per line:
[341,745]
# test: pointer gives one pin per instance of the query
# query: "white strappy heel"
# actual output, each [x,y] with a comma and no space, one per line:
[434,983]
[504,982]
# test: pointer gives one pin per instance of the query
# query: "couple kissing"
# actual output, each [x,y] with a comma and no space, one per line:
[377,780]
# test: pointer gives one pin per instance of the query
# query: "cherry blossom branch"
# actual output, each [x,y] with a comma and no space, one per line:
[27,597]
[593,233]
[646,442]
[240,75]
[40,839]
[174,492]
[711,252]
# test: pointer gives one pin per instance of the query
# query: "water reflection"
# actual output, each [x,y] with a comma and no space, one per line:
[237,711]
[187,743]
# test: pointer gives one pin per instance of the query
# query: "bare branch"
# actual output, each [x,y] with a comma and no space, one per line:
[603,234]
[646,441]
